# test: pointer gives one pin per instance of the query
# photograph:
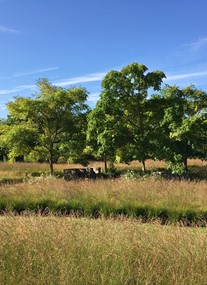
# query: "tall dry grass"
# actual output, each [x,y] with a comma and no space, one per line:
[51,250]
[57,250]
[170,200]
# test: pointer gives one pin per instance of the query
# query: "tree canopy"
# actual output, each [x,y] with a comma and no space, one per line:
[53,118]
[124,103]
[134,119]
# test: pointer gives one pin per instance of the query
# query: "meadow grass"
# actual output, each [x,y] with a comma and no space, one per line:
[117,247]
[19,169]
[169,201]
[53,250]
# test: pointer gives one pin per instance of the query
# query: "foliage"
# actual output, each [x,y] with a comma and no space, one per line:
[101,134]
[131,175]
[127,124]
[120,119]
[179,120]
[51,119]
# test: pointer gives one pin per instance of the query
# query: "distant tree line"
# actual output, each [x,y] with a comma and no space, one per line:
[128,123]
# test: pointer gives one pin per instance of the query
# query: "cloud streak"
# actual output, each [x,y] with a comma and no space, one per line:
[36,71]
[7,30]
[185,76]
[93,77]
[17,89]
[198,44]
[82,79]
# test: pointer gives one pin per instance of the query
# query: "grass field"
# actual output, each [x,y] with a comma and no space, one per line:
[102,232]
[52,250]
[168,201]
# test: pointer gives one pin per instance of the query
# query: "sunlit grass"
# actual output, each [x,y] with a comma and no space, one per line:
[117,248]
[54,250]
[166,200]
[19,168]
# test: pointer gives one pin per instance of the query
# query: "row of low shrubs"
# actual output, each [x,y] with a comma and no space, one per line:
[117,173]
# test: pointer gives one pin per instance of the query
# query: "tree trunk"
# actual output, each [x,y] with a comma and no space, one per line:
[51,168]
[51,162]
[185,163]
[105,163]
[143,165]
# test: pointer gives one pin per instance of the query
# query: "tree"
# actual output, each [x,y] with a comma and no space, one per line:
[54,114]
[124,101]
[103,134]
[4,149]
[180,124]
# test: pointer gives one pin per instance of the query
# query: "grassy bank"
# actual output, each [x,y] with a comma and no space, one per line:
[168,201]
[52,250]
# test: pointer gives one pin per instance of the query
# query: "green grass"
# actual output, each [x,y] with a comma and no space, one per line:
[52,250]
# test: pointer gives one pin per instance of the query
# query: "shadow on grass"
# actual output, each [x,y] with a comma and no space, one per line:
[145,214]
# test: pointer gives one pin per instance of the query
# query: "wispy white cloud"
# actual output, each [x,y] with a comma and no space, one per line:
[82,79]
[17,89]
[36,71]
[197,44]
[95,77]
[7,30]
[62,83]
[185,75]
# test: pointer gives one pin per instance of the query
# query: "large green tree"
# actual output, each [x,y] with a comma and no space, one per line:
[55,115]
[179,125]
[124,100]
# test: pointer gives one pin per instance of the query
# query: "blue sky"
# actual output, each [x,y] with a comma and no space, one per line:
[76,42]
